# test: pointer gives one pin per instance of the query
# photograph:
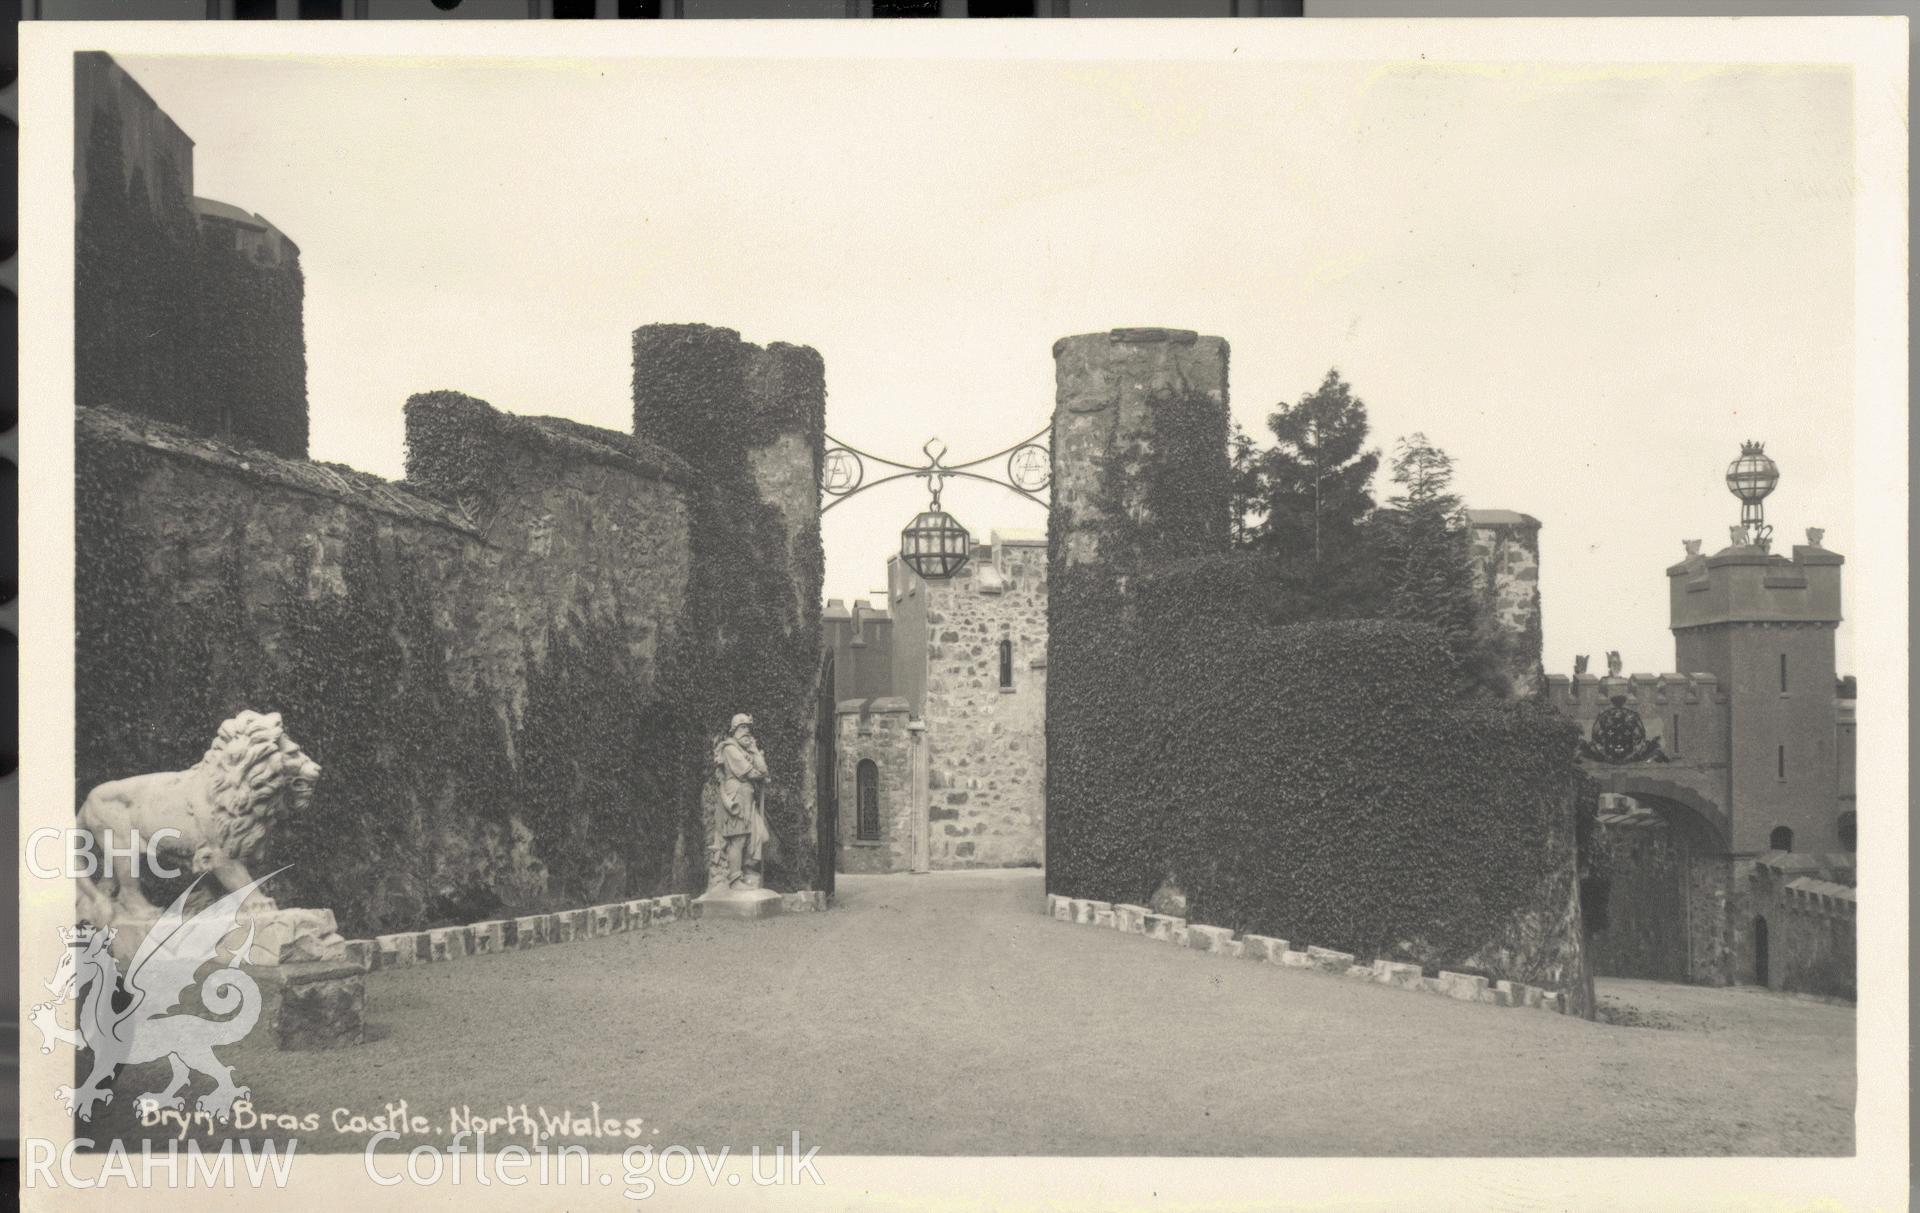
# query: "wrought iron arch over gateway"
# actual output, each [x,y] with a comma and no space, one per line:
[935,544]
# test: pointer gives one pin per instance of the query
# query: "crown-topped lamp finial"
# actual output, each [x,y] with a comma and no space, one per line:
[1751,478]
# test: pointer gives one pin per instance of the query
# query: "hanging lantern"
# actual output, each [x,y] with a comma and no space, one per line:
[1750,478]
[934,544]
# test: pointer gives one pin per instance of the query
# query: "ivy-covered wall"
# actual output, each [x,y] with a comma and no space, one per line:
[487,682]
[750,423]
[1318,782]
[511,667]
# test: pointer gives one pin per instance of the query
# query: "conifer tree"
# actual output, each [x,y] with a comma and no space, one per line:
[1422,539]
[1316,482]
[1317,475]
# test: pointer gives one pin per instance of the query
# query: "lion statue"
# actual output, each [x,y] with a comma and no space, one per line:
[222,808]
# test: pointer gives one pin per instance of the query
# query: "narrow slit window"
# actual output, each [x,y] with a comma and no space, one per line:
[1676,735]
[1006,665]
[867,796]
[1782,759]
[1783,673]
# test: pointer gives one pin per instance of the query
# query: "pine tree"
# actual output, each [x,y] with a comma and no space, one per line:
[1422,539]
[1317,476]
[1315,485]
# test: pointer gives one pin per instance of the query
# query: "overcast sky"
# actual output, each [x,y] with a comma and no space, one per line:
[1588,286]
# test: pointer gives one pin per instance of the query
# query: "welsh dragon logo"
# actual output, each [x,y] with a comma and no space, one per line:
[150,1023]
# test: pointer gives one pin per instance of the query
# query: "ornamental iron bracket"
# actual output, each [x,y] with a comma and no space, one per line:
[1619,737]
[1028,470]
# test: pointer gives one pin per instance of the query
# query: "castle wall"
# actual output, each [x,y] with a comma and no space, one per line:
[582,525]
[426,651]
[1192,741]
[1811,932]
[986,744]
[876,731]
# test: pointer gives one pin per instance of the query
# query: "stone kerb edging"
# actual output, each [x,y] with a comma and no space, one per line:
[1220,941]
[517,934]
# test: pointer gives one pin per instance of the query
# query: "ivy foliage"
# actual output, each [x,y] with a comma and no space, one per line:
[443,801]
[752,624]
[1321,781]
[172,319]
[408,762]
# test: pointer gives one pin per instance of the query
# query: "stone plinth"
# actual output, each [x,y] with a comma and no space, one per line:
[284,936]
[313,1005]
[280,937]
[736,903]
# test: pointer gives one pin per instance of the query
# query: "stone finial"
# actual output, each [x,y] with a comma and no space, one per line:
[1614,664]
[1737,535]
[1814,535]
[1692,546]
[1580,663]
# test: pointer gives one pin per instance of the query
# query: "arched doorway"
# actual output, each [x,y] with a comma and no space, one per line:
[1670,876]
[1760,969]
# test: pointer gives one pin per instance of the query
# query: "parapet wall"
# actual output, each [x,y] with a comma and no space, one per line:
[1812,929]
[1745,584]
[1686,713]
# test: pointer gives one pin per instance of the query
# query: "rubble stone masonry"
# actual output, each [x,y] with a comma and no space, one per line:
[986,761]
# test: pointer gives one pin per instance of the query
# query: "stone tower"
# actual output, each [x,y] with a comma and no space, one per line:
[1764,625]
[1110,389]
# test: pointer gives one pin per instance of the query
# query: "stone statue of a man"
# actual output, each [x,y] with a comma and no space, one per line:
[740,770]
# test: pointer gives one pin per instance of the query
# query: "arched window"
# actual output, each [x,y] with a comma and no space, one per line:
[867,798]
[1006,665]
[1846,829]
[1781,839]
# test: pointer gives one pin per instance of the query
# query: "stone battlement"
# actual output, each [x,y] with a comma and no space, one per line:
[1746,584]
[1596,691]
